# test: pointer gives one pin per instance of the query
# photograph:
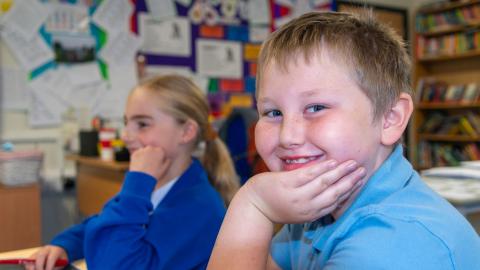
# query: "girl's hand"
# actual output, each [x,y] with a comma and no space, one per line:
[45,257]
[150,160]
[305,194]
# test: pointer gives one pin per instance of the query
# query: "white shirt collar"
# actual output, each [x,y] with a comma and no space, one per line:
[160,193]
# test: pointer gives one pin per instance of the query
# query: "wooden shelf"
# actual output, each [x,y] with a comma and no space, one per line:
[446,6]
[448,69]
[439,58]
[449,29]
[447,106]
[448,138]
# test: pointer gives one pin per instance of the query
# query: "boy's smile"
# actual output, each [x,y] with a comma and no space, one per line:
[315,111]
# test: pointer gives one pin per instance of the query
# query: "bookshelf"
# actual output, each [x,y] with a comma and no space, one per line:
[445,127]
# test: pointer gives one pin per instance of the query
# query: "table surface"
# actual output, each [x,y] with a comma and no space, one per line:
[25,253]
[464,194]
[97,162]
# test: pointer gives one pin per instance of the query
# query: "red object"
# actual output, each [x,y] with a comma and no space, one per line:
[211,31]
[227,85]
[59,262]
[106,144]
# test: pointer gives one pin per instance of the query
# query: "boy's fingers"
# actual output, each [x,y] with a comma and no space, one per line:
[305,175]
[339,191]
[347,171]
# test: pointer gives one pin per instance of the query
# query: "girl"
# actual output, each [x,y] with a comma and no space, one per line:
[168,212]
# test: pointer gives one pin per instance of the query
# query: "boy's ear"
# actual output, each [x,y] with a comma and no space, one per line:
[190,130]
[396,119]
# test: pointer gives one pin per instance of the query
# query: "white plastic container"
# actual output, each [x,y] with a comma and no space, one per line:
[20,167]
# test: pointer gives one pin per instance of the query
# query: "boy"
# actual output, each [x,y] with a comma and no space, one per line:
[334,98]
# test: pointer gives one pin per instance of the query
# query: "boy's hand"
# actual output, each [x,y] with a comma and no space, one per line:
[45,257]
[150,160]
[305,194]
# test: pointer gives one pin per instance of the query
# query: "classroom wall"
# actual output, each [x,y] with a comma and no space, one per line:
[14,125]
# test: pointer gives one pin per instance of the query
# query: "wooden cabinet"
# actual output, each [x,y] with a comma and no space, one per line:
[20,217]
[97,182]
[444,128]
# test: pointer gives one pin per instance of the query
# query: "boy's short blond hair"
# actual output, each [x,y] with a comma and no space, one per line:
[374,53]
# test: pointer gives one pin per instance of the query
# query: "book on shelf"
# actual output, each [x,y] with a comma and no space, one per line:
[474,119]
[450,125]
[432,90]
[433,154]
[471,93]
[466,127]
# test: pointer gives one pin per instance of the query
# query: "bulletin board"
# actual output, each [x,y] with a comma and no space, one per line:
[214,42]
[82,55]
[59,56]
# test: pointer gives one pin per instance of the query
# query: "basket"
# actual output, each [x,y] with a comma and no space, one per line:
[20,168]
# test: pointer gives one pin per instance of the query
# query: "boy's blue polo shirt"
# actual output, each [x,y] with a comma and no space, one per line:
[396,222]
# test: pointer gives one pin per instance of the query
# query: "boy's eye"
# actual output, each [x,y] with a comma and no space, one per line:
[273,113]
[315,108]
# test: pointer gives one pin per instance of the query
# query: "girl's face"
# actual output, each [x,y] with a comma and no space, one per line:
[314,112]
[147,125]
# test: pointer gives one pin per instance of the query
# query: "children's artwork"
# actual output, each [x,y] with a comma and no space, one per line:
[121,49]
[161,10]
[30,53]
[67,19]
[167,37]
[258,12]
[221,59]
[25,18]
[113,15]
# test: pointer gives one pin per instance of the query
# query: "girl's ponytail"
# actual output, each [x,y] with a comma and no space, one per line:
[220,168]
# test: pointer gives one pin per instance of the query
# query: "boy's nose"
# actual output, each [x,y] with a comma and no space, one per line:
[292,132]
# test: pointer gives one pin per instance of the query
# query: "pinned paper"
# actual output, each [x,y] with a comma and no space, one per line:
[112,15]
[121,49]
[211,31]
[232,85]
[258,11]
[239,33]
[259,33]
[252,69]
[241,100]
[250,85]
[251,51]
[168,37]
[25,18]
[31,53]
[220,59]
[67,18]
[161,10]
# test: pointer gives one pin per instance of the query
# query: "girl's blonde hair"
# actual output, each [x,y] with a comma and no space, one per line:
[183,100]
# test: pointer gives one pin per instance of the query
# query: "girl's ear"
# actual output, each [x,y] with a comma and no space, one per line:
[395,120]
[190,131]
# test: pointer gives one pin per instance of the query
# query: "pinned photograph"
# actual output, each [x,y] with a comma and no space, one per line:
[74,49]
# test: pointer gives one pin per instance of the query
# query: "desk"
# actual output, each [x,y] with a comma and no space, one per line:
[20,218]
[25,253]
[97,182]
